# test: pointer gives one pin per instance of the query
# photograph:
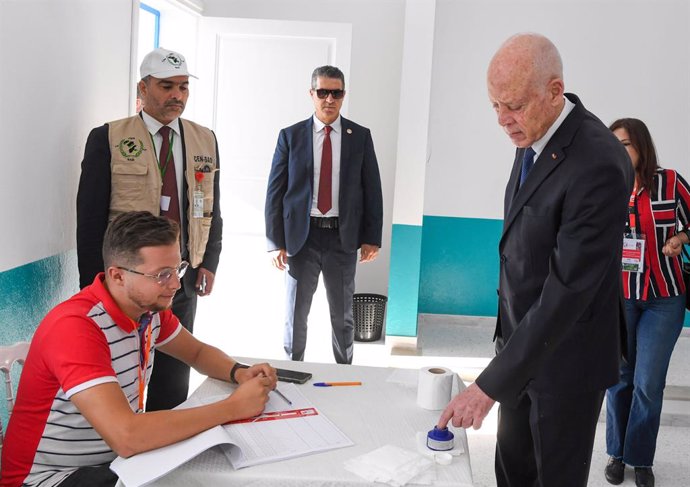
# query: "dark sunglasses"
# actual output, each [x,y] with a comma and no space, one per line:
[336,94]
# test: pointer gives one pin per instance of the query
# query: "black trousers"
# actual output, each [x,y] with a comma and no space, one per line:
[547,440]
[100,476]
[322,253]
[169,384]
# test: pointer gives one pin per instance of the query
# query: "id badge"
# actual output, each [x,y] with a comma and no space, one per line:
[165,202]
[198,206]
[633,253]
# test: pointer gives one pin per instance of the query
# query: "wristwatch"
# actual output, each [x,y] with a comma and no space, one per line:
[233,371]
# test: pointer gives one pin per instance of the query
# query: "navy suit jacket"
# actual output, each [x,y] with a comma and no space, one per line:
[290,189]
[560,314]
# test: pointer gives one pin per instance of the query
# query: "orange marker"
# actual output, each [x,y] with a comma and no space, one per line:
[330,384]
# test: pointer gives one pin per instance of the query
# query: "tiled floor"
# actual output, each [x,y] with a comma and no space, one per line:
[244,319]
[470,337]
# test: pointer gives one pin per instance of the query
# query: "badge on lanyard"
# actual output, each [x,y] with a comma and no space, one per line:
[633,241]
[633,253]
[165,202]
[163,167]
[198,203]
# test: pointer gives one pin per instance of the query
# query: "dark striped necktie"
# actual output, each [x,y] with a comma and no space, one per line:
[527,164]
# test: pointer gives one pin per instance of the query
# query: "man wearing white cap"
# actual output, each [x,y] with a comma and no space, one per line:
[158,162]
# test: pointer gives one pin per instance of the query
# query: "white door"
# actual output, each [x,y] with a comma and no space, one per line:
[254,78]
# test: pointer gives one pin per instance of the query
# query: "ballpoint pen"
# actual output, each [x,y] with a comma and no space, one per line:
[279,393]
[283,396]
[330,384]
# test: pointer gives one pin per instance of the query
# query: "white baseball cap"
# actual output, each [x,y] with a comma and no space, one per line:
[163,63]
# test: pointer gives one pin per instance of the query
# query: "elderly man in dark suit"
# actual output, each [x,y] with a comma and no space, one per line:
[558,334]
[323,203]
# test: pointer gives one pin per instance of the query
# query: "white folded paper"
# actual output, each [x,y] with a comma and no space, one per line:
[394,466]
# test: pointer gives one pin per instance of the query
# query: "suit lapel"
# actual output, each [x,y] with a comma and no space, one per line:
[308,156]
[345,150]
[547,162]
[512,185]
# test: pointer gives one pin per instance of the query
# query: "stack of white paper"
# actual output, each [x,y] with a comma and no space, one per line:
[394,466]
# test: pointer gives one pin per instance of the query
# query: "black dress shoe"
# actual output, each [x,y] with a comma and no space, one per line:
[614,471]
[644,477]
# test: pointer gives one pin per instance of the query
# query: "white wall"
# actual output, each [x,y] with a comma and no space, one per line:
[374,82]
[413,122]
[65,69]
[622,59]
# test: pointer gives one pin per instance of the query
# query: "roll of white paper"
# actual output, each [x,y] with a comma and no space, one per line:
[434,387]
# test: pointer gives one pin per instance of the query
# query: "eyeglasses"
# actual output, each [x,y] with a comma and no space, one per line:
[164,276]
[336,94]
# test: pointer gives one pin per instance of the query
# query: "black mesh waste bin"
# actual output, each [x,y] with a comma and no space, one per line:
[368,310]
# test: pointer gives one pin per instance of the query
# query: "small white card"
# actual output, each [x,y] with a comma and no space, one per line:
[165,202]
[198,206]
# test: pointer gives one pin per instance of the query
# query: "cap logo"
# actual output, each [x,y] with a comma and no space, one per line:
[173,59]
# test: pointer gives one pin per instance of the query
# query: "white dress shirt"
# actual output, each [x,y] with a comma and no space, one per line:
[539,145]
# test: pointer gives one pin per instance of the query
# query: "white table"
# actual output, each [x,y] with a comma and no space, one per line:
[377,413]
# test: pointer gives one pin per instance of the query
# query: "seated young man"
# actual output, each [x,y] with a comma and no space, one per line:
[80,397]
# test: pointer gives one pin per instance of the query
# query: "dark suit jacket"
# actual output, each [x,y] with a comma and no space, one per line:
[93,208]
[560,291]
[290,189]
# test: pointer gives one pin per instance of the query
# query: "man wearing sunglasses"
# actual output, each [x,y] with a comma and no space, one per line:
[323,203]
[158,162]
[81,395]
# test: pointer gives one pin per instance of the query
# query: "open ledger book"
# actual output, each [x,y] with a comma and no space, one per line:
[281,431]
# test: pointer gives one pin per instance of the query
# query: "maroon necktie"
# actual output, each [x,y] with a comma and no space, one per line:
[167,167]
[324,202]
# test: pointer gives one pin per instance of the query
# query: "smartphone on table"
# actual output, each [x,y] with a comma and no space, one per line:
[294,376]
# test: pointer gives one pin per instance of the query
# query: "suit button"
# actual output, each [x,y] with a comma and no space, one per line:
[503,258]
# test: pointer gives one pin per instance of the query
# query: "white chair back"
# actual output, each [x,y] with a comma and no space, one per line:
[8,357]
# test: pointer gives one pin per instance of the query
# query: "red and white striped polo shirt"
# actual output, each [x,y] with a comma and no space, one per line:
[84,341]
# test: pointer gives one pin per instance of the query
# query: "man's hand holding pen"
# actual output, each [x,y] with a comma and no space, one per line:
[258,370]
[250,398]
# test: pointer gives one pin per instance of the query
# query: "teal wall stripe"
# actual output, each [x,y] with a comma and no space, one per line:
[403,286]
[459,271]
[27,293]
[459,266]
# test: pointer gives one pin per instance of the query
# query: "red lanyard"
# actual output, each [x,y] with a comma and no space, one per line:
[632,211]
[143,360]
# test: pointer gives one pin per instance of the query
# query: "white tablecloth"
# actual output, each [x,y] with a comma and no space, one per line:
[377,413]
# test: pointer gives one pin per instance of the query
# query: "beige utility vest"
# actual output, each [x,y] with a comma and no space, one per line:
[136,182]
